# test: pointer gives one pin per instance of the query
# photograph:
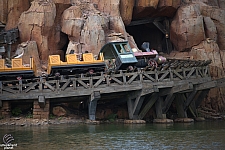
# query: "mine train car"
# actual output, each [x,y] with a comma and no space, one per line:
[75,64]
[16,69]
[113,56]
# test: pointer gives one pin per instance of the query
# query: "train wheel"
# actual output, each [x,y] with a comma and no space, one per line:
[19,78]
[152,63]
[91,71]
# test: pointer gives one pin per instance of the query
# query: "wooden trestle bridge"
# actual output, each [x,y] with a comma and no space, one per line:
[186,87]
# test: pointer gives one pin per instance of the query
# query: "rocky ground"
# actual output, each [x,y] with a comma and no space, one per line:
[23,121]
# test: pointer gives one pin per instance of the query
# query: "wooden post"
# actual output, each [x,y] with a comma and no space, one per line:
[41,101]
[158,108]
[130,105]
[93,98]
[179,101]
[0,103]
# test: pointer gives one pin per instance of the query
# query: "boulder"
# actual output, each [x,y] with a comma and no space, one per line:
[187,28]
[144,8]
[59,111]
[167,8]
[29,49]
[126,10]
[217,15]
[210,28]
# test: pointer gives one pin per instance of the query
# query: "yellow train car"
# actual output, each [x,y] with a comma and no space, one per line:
[75,64]
[16,69]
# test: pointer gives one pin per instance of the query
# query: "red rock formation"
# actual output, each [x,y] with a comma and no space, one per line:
[144,8]
[3,11]
[209,49]
[37,24]
[187,28]
[126,10]
[217,15]
[167,8]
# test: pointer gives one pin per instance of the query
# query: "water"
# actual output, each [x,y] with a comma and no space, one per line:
[201,135]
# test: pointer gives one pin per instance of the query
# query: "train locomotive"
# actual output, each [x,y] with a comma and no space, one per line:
[113,56]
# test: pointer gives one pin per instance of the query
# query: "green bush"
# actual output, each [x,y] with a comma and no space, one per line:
[16,111]
[29,115]
[112,117]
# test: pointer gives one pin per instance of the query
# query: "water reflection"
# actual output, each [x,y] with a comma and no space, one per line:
[205,135]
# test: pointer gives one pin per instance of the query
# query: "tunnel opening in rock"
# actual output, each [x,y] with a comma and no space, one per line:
[154,32]
[63,44]
[146,33]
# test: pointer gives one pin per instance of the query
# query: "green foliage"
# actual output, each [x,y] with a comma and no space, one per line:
[112,117]
[1,117]
[16,111]
[51,116]
[29,115]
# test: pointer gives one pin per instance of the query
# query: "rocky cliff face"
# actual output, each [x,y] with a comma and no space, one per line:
[197,28]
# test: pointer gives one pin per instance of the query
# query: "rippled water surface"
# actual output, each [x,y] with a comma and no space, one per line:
[201,135]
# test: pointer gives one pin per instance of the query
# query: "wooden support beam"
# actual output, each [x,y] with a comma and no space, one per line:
[167,103]
[179,101]
[176,89]
[145,21]
[200,97]
[137,106]
[149,105]
[220,82]
[0,103]
[160,26]
[206,85]
[134,103]
[93,99]
[41,101]
[193,110]
[158,108]
[149,90]
[190,99]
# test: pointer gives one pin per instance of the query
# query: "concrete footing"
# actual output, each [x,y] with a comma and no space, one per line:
[199,119]
[163,121]
[184,120]
[134,121]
